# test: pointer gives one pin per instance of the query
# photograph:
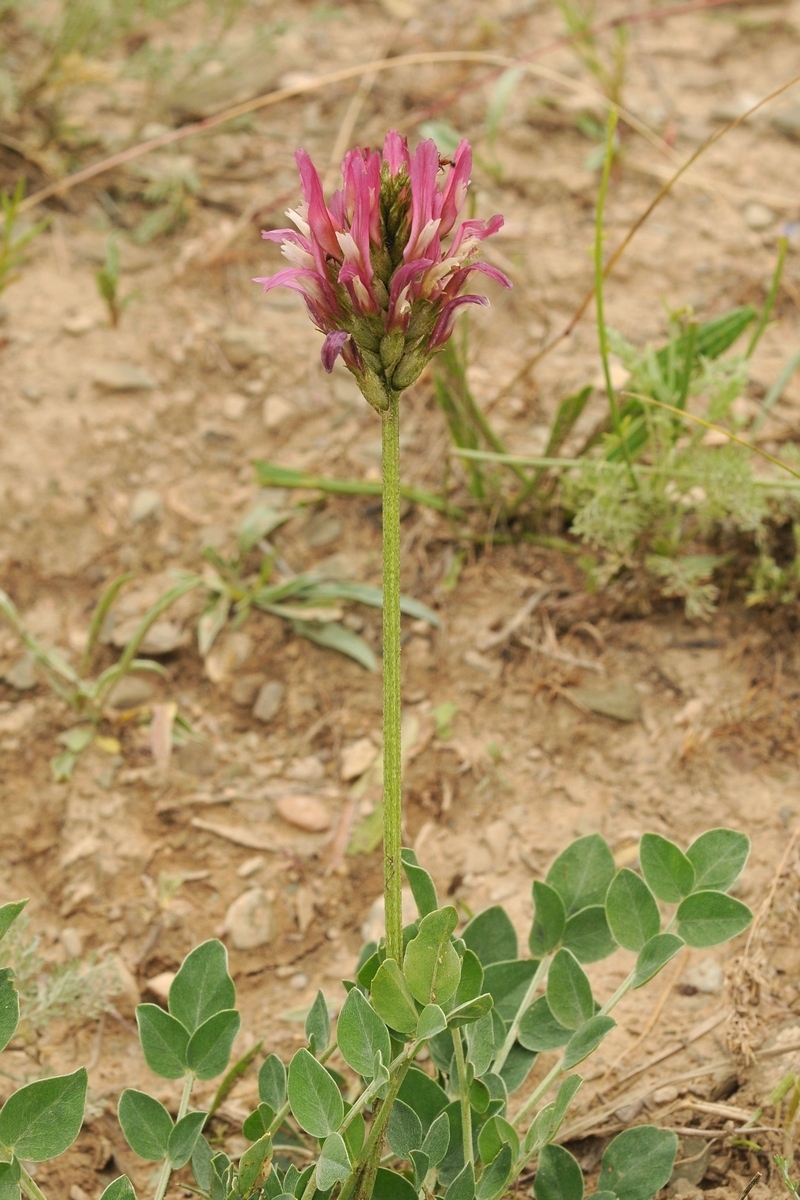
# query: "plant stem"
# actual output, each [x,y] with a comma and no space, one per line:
[29,1186]
[599,276]
[463,1096]
[511,1037]
[371,1153]
[166,1170]
[392,767]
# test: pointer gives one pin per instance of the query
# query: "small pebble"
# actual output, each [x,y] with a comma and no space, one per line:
[304,812]
[234,406]
[22,674]
[665,1095]
[146,503]
[159,985]
[275,411]
[245,689]
[704,976]
[758,216]
[249,921]
[121,377]
[250,866]
[269,700]
[227,655]
[77,324]
[255,387]
[299,981]
[72,941]
[357,758]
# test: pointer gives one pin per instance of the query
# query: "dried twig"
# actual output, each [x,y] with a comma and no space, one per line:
[750,1185]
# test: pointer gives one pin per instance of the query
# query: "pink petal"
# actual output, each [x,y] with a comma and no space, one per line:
[395,152]
[455,189]
[401,283]
[476,231]
[424,168]
[319,218]
[444,326]
[332,347]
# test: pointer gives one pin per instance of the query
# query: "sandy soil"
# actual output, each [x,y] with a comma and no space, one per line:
[97,480]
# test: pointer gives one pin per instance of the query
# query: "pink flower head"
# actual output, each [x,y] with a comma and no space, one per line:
[379,274]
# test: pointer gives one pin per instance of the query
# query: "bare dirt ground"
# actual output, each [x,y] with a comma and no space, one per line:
[97,480]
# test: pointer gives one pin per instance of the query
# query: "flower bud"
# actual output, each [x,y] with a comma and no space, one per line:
[409,369]
[392,345]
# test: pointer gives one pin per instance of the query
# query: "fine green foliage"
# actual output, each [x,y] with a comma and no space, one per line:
[483,1020]
[107,279]
[14,246]
[309,602]
[87,696]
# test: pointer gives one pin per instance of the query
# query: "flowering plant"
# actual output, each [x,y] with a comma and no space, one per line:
[373,266]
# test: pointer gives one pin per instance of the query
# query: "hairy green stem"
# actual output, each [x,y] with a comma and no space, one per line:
[371,1153]
[511,1037]
[463,1097]
[166,1170]
[29,1186]
[392,771]
[599,277]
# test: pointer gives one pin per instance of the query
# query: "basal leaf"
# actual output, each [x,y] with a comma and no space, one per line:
[709,918]
[392,999]
[632,911]
[318,1024]
[183,1139]
[539,1030]
[666,868]
[569,992]
[9,1007]
[638,1163]
[361,1034]
[42,1119]
[420,882]
[654,955]
[588,936]
[202,986]
[718,858]
[558,1176]
[581,873]
[431,964]
[491,936]
[145,1123]
[272,1082]
[549,919]
[404,1131]
[315,1100]
[333,1165]
[163,1040]
[209,1048]
[586,1039]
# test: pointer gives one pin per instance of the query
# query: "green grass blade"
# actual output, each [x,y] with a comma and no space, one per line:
[271,475]
[99,616]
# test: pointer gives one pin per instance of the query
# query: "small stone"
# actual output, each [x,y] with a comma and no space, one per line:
[275,411]
[159,985]
[306,770]
[33,393]
[322,529]
[242,345]
[299,981]
[628,1112]
[121,377]
[162,638]
[77,1193]
[234,406]
[245,689]
[665,1095]
[357,758]
[255,387]
[250,866]
[249,921]
[619,701]
[704,976]
[22,673]
[304,812]
[146,503]
[72,941]
[758,216]
[131,691]
[227,655]
[269,700]
[77,324]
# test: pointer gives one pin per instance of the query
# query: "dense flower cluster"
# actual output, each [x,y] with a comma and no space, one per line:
[372,265]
